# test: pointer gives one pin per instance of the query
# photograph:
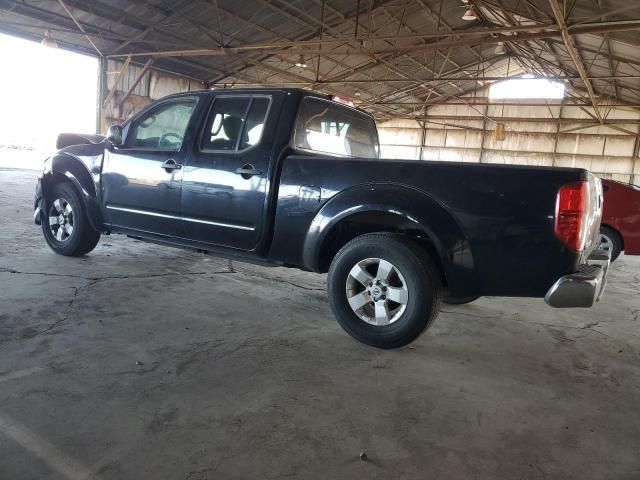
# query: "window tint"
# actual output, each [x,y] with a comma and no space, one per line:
[328,128]
[224,125]
[162,127]
[235,123]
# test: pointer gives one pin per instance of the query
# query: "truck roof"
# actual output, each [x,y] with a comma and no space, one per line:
[257,90]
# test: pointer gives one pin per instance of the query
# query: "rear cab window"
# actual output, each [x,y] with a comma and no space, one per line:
[326,127]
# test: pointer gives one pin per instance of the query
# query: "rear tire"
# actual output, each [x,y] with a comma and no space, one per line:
[459,300]
[610,240]
[384,290]
[65,224]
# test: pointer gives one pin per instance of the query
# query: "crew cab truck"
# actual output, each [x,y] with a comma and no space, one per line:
[293,178]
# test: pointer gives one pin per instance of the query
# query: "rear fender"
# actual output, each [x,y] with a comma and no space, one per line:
[77,172]
[413,207]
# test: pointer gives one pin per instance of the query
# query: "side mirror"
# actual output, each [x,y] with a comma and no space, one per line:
[114,135]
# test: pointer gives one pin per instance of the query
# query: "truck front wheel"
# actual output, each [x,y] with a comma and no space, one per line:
[65,225]
[384,289]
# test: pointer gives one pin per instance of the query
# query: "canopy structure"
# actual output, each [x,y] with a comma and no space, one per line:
[395,57]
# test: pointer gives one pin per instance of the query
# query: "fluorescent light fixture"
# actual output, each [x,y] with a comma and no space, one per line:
[500,49]
[302,63]
[47,41]
[470,15]
[516,88]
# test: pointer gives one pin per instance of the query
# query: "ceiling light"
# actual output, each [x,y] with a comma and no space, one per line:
[500,49]
[302,63]
[470,15]
[47,41]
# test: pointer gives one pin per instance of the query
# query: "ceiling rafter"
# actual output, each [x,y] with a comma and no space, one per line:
[575,56]
[395,54]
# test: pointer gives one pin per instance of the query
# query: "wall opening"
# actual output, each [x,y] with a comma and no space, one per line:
[43,91]
[526,88]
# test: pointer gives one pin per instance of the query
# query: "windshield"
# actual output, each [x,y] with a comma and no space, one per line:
[326,127]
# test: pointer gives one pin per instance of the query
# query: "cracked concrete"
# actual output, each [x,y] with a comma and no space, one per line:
[144,362]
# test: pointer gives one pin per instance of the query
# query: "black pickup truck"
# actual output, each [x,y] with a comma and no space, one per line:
[293,178]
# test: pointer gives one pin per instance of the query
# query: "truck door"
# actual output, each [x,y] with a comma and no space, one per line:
[142,179]
[225,180]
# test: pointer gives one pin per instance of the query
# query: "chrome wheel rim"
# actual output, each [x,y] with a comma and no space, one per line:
[605,243]
[61,219]
[377,291]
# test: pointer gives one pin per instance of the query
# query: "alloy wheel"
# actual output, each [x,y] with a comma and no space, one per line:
[61,219]
[377,291]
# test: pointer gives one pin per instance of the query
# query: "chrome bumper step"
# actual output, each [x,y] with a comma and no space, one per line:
[584,287]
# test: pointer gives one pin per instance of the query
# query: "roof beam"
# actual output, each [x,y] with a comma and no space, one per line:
[271,48]
[80,27]
[451,79]
[143,33]
[575,56]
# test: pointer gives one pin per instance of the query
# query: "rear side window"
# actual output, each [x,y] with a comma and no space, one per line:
[235,123]
[325,127]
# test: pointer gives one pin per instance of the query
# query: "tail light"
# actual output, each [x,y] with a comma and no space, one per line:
[572,211]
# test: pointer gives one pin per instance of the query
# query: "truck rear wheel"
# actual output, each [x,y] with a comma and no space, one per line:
[384,290]
[64,223]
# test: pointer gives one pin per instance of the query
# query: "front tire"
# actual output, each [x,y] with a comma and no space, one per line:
[384,290]
[65,224]
[609,240]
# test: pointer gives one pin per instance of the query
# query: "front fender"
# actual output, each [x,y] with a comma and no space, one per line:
[412,205]
[79,172]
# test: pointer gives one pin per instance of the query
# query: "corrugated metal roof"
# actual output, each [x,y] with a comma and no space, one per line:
[392,83]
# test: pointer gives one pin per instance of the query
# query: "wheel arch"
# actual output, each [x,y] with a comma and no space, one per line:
[386,207]
[69,169]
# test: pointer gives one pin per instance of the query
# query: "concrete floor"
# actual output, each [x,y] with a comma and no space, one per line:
[142,362]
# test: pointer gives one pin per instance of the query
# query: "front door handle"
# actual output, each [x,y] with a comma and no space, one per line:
[247,171]
[171,165]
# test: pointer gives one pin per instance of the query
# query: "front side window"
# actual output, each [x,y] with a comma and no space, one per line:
[328,128]
[163,127]
[235,123]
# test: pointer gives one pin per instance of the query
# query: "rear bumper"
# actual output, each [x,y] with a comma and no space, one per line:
[582,288]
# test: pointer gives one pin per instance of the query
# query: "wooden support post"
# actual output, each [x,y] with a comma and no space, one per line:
[105,103]
[636,160]
[484,132]
[135,83]
[423,137]
[102,88]
[555,142]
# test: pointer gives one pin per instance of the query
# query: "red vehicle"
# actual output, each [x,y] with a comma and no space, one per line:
[620,229]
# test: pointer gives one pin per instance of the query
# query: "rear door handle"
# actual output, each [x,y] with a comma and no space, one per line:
[248,171]
[170,165]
